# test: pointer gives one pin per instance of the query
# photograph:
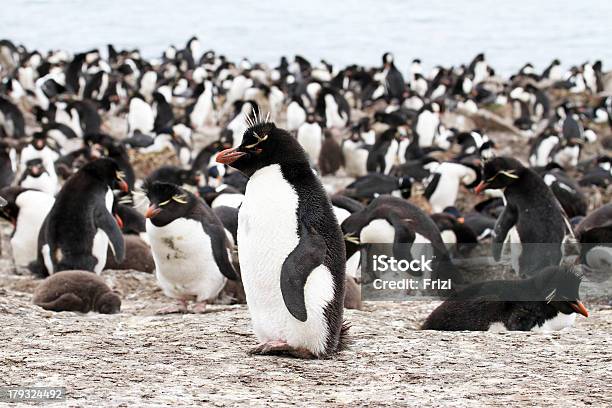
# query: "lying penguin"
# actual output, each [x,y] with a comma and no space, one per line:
[76,291]
[548,301]
[595,235]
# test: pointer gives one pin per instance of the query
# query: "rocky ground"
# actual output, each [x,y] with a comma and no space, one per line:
[137,358]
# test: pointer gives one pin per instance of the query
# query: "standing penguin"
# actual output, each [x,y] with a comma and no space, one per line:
[310,137]
[36,176]
[292,254]
[394,81]
[26,210]
[80,226]
[190,247]
[530,207]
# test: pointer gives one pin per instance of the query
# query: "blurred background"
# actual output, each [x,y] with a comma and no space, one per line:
[511,33]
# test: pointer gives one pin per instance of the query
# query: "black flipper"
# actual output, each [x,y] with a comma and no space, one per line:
[307,255]
[108,224]
[218,240]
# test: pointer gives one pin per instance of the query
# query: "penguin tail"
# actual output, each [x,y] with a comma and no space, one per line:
[345,339]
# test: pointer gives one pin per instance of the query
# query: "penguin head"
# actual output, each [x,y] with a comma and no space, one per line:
[263,144]
[387,59]
[107,171]
[499,173]
[35,168]
[39,140]
[560,285]
[108,303]
[167,203]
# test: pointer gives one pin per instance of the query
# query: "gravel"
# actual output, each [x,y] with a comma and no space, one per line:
[137,358]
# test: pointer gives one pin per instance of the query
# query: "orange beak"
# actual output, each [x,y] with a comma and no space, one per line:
[579,308]
[152,211]
[228,156]
[119,221]
[481,187]
[460,220]
[123,186]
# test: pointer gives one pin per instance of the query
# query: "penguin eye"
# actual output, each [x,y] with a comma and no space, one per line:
[259,140]
[180,198]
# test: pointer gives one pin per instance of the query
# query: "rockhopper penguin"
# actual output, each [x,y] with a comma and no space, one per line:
[80,226]
[191,249]
[292,255]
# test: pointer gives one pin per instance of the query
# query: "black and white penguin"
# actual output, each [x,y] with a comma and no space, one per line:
[442,187]
[202,112]
[542,148]
[599,175]
[546,302]
[385,153]
[572,199]
[595,236]
[458,237]
[80,226]
[140,116]
[355,152]
[427,125]
[25,210]
[164,117]
[36,176]
[190,247]
[225,196]
[292,255]
[394,81]
[332,106]
[370,186]
[296,113]
[553,72]
[474,143]
[76,291]
[393,220]
[12,122]
[532,209]
[310,137]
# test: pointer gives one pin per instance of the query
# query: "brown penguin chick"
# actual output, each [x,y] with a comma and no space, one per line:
[352,294]
[138,256]
[330,158]
[76,291]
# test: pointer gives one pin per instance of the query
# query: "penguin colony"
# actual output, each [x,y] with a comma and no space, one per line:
[212,172]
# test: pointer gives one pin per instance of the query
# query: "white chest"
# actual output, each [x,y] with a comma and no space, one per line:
[184,261]
[267,234]
[559,322]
